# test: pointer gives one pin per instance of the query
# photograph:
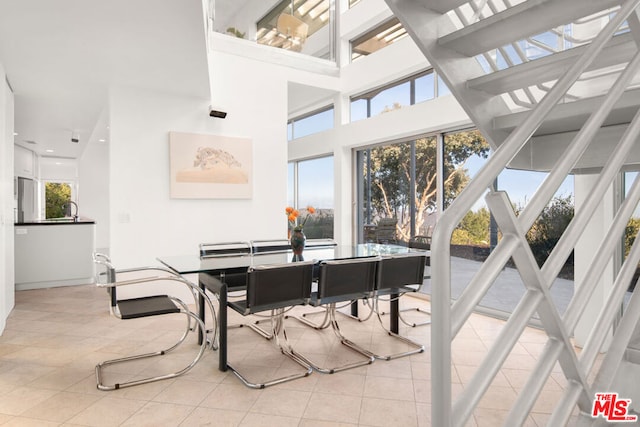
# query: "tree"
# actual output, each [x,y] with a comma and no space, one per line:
[390,173]
[56,196]
[548,228]
[473,229]
[630,233]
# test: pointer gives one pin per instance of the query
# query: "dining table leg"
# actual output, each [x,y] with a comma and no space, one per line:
[201,312]
[219,288]
[222,326]
[394,315]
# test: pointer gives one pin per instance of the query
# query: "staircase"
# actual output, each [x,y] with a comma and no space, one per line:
[552,86]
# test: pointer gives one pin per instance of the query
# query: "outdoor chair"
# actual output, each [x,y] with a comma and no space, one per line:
[345,280]
[146,306]
[386,230]
[275,288]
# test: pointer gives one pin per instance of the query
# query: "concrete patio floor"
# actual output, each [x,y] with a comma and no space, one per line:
[506,292]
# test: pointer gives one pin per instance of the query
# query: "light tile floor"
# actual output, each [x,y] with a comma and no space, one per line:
[54,337]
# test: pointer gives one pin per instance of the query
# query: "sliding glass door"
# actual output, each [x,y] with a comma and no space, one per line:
[398,183]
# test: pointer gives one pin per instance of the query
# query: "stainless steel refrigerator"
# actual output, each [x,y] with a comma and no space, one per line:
[26,200]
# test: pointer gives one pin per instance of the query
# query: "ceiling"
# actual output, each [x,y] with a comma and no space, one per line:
[61,57]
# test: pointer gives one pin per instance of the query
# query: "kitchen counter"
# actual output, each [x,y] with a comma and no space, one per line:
[57,221]
[52,253]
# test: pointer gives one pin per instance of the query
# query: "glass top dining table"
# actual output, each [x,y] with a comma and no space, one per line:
[193,263]
[240,263]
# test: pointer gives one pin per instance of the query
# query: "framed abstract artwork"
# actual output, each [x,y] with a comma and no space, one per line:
[210,166]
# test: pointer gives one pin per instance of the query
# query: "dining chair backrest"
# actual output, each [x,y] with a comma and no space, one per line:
[271,245]
[320,243]
[276,286]
[346,279]
[209,250]
[401,270]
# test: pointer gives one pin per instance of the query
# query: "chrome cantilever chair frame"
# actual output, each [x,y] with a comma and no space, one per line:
[418,242]
[149,306]
[274,288]
[399,274]
[338,281]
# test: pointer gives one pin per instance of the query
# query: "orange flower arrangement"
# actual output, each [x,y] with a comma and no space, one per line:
[293,215]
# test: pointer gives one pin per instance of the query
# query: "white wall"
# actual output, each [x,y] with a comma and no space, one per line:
[93,189]
[145,221]
[7,294]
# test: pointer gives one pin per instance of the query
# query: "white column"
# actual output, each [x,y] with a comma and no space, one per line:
[7,204]
[586,250]
[342,178]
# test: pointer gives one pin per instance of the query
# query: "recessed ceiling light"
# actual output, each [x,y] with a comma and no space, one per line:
[15,134]
[49,150]
[101,140]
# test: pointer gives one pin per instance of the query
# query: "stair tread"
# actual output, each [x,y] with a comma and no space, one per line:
[635,340]
[572,115]
[633,355]
[518,22]
[618,50]
[443,6]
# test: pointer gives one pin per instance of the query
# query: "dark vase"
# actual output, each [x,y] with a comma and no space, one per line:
[298,240]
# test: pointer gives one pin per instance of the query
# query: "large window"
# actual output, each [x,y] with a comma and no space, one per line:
[399,182]
[412,90]
[290,23]
[310,183]
[380,37]
[305,26]
[308,124]
[57,197]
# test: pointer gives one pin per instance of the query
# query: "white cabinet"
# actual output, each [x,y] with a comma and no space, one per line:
[24,164]
[51,254]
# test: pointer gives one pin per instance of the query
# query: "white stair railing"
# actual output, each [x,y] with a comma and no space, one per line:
[448,319]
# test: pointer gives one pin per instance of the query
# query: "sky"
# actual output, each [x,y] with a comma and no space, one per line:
[316,176]
[519,185]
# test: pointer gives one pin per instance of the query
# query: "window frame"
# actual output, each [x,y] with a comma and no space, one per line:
[370,94]
[291,128]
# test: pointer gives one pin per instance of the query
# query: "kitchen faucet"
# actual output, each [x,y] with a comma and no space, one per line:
[67,210]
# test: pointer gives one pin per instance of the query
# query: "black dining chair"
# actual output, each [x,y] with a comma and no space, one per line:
[270,246]
[422,243]
[345,280]
[399,274]
[146,306]
[320,243]
[274,288]
[234,281]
